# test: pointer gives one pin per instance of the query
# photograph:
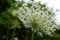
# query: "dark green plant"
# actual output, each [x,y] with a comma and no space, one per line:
[8,22]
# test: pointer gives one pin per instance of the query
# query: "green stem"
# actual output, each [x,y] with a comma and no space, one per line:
[32,35]
[7,34]
[13,34]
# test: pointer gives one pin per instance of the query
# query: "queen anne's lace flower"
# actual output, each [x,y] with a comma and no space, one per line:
[39,20]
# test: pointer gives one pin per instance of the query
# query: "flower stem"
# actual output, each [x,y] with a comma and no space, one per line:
[13,34]
[32,37]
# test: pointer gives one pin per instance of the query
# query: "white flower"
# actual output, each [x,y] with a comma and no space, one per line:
[37,19]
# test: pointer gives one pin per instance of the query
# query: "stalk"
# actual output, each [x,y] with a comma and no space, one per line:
[32,37]
[13,34]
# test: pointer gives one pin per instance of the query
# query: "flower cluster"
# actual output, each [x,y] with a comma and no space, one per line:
[37,18]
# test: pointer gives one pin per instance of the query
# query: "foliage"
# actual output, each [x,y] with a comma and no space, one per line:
[7,20]
[32,21]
